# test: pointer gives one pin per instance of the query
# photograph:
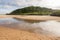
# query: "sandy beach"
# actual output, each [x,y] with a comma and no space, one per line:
[15,34]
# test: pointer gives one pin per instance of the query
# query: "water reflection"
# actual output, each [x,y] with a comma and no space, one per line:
[45,27]
[20,24]
[29,21]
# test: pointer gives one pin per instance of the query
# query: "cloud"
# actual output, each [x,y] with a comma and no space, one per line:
[23,3]
[6,9]
[54,4]
[6,6]
[27,2]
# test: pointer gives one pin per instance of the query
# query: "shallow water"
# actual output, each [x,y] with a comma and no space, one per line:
[45,27]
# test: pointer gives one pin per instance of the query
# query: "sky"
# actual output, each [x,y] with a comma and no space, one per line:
[7,6]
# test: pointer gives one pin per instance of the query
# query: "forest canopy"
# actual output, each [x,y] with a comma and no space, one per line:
[35,10]
[31,10]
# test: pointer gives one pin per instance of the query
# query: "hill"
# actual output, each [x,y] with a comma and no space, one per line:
[31,10]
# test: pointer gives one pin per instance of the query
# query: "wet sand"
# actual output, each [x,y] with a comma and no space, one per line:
[14,34]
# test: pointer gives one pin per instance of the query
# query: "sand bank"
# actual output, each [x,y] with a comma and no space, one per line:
[31,17]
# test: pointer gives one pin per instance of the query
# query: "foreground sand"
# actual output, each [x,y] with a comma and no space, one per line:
[14,34]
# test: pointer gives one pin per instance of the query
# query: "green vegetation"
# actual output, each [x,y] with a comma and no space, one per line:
[57,13]
[31,10]
[35,10]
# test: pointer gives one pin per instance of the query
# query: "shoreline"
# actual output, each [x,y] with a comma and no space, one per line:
[31,17]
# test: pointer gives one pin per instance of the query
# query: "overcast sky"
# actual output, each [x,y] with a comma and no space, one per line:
[7,6]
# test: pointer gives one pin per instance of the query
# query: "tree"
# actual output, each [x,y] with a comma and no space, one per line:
[55,14]
[31,10]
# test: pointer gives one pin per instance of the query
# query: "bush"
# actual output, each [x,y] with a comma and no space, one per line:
[55,14]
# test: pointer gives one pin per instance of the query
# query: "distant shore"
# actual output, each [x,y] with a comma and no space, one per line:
[31,17]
